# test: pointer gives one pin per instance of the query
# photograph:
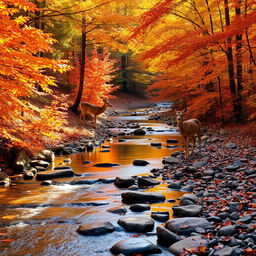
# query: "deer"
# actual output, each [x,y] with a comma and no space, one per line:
[189,129]
[92,110]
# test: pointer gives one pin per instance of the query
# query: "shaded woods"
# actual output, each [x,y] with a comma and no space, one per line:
[198,54]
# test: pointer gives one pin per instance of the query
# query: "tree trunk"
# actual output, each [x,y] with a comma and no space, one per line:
[231,71]
[239,69]
[124,72]
[82,68]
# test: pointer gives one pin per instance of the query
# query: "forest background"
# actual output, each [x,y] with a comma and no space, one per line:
[199,54]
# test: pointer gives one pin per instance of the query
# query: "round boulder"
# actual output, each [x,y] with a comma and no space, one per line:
[95,229]
[137,224]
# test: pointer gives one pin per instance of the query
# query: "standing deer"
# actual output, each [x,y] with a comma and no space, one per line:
[189,129]
[93,110]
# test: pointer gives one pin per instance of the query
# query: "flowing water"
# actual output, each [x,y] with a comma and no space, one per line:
[39,220]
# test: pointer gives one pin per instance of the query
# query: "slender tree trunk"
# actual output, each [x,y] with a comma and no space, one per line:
[239,69]
[231,71]
[82,68]
[221,102]
[124,72]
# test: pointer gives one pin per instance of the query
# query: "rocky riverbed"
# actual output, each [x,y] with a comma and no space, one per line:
[215,216]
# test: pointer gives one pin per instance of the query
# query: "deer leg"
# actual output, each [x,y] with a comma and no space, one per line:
[199,141]
[193,144]
[187,147]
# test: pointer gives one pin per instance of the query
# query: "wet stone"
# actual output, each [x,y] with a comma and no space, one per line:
[95,229]
[175,185]
[139,162]
[117,210]
[42,163]
[48,175]
[137,224]
[147,181]
[187,188]
[187,211]
[62,168]
[187,243]
[142,197]
[139,132]
[232,168]
[135,246]
[187,225]
[47,183]
[104,151]
[225,251]
[227,231]
[160,216]
[172,141]
[166,237]
[156,144]
[139,207]
[106,165]
[171,160]
[124,182]
[190,197]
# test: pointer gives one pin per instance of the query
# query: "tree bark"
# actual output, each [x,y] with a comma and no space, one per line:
[231,71]
[74,108]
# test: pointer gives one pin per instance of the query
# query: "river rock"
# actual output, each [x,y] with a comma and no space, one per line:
[46,155]
[186,225]
[187,211]
[42,163]
[62,168]
[147,181]
[175,185]
[172,141]
[166,237]
[142,197]
[170,160]
[137,224]
[187,243]
[124,182]
[227,231]
[139,132]
[48,175]
[230,145]
[191,197]
[138,246]
[28,175]
[96,229]
[160,216]
[156,144]
[139,162]
[117,210]
[225,251]
[47,183]
[104,151]
[139,207]
[5,181]
[106,165]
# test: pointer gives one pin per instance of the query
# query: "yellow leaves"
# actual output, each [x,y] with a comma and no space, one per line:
[21,19]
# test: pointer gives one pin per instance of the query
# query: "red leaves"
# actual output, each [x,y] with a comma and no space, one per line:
[136,235]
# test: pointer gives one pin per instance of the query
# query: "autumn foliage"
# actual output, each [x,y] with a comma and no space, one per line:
[205,56]
[22,71]
[99,69]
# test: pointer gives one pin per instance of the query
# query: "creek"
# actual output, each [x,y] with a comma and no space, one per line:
[42,220]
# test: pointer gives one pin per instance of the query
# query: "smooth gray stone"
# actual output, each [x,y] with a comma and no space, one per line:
[172,141]
[171,160]
[118,210]
[147,181]
[227,231]
[187,225]
[135,246]
[139,132]
[140,162]
[95,229]
[139,207]
[137,224]
[187,211]
[225,251]
[48,175]
[124,182]
[42,163]
[142,197]
[190,197]
[62,168]
[106,165]
[187,243]
[166,237]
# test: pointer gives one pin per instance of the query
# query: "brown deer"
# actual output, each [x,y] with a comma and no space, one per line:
[92,110]
[189,129]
